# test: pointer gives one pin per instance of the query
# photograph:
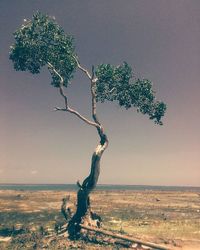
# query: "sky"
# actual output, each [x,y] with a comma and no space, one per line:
[160,39]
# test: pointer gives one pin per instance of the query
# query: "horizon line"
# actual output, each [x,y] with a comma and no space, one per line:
[111,184]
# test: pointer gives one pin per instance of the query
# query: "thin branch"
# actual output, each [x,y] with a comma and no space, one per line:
[61,83]
[64,96]
[59,109]
[100,129]
[70,110]
[94,104]
[56,72]
[83,118]
[67,108]
[112,90]
[82,68]
[93,82]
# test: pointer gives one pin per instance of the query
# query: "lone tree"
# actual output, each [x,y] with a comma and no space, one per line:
[42,42]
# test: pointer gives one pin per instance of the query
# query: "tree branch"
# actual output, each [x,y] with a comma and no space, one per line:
[92,88]
[112,90]
[83,118]
[67,108]
[56,72]
[94,104]
[102,135]
[61,83]
[81,68]
[59,109]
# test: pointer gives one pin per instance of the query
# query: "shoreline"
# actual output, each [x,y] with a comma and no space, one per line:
[116,187]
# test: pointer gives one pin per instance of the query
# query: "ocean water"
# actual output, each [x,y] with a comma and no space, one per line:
[62,187]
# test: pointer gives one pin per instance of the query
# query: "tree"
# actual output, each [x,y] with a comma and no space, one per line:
[42,42]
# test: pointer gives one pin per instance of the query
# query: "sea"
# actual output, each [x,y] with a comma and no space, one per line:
[105,187]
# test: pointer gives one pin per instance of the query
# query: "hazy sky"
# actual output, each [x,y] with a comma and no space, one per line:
[160,39]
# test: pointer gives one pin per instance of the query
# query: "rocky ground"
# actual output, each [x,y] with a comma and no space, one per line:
[170,218]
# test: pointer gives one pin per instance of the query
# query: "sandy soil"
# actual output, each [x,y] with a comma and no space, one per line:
[163,217]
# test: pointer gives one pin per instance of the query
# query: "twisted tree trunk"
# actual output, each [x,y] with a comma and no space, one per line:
[83,214]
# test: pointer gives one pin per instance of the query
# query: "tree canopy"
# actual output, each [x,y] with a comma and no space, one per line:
[119,84]
[41,41]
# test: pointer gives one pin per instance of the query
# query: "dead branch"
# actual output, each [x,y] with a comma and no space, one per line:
[123,237]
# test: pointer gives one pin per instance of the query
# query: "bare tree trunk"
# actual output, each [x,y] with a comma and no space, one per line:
[83,214]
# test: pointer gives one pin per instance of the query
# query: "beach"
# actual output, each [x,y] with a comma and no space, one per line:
[167,217]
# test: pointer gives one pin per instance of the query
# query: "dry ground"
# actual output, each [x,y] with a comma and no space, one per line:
[164,217]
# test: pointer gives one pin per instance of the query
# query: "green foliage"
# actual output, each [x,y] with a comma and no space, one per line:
[42,40]
[119,84]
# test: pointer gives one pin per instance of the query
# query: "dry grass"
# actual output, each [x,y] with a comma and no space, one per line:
[157,216]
